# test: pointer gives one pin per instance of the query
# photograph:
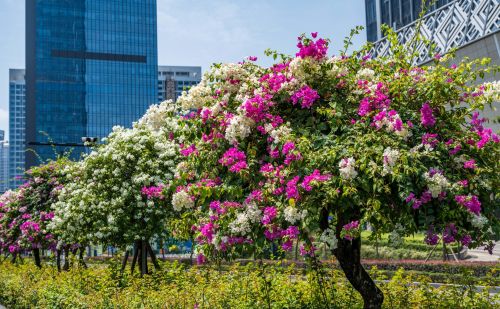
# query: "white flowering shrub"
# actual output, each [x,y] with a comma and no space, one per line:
[106,199]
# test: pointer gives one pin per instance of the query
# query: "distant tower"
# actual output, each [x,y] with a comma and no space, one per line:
[172,80]
[17,126]
[4,163]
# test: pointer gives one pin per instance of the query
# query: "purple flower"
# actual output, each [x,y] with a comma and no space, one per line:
[466,240]
[426,116]
[269,214]
[291,188]
[471,202]
[471,164]
[306,95]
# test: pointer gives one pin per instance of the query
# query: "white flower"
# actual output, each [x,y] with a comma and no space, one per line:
[243,223]
[347,168]
[390,157]
[181,200]
[280,133]
[239,128]
[478,221]
[328,237]
[293,215]
[365,74]
[492,90]
[436,183]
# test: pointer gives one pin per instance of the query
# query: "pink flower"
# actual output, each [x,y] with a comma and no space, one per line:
[201,259]
[291,188]
[315,176]
[471,164]
[314,49]
[153,191]
[306,95]
[426,116]
[189,150]
[269,214]
[287,147]
[471,202]
[234,159]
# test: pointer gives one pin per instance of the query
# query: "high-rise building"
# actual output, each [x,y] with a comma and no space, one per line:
[394,13]
[172,80]
[90,65]
[17,126]
[4,163]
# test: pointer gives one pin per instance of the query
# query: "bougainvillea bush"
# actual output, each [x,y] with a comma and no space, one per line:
[316,146]
[26,213]
[104,202]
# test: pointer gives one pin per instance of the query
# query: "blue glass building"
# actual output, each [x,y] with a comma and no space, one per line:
[90,65]
[17,126]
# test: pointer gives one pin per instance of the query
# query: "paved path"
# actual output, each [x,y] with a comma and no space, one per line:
[481,255]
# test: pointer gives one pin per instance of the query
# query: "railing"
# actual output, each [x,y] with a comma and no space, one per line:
[454,25]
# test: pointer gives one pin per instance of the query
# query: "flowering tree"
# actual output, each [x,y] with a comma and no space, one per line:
[315,146]
[106,198]
[26,212]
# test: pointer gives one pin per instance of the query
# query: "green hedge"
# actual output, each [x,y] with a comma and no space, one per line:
[250,286]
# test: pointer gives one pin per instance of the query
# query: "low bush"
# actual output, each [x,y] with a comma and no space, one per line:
[249,286]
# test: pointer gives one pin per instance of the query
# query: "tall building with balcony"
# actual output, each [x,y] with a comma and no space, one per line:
[394,13]
[17,126]
[172,80]
[90,65]
[4,163]
[471,27]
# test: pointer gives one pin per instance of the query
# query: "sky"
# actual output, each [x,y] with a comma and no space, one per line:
[201,32]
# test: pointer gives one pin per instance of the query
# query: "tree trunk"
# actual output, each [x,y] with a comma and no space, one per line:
[144,259]
[81,253]
[136,256]
[348,253]
[58,260]
[36,255]
[125,260]
[153,256]
[66,259]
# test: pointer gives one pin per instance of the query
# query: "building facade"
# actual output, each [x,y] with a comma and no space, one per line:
[4,163]
[90,65]
[17,126]
[172,80]
[394,13]
[471,28]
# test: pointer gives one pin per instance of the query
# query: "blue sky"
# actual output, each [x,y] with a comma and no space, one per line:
[201,32]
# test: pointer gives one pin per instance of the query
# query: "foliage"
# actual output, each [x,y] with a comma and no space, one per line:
[26,213]
[104,201]
[319,146]
[248,286]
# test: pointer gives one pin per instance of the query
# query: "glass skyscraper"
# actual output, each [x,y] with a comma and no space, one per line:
[17,126]
[4,163]
[90,65]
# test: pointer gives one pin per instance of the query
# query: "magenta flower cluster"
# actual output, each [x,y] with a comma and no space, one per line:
[234,159]
[471,202]
[306,96]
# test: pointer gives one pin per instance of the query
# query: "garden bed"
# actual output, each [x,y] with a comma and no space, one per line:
[249,286]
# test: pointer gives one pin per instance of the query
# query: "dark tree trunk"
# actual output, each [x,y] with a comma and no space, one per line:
[136,256]
[66,259]
[58,260]
[153,256]
[348,253]
[14,256]
[125,260]
[144,259]
[81,260]
[36,255]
